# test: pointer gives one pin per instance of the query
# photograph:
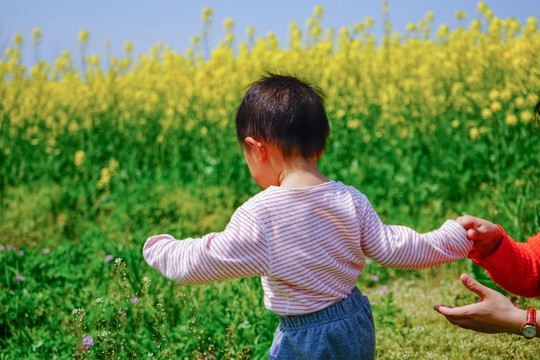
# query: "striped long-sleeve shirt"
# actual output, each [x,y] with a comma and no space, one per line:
[308,246]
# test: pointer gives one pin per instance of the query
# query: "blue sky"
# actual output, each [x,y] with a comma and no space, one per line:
[176,22]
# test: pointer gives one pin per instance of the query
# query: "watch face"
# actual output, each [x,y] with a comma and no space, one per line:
[529,331]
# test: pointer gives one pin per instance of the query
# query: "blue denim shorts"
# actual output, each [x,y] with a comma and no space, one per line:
[344,330]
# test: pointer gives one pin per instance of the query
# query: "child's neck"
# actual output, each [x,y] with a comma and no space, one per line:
[300,173]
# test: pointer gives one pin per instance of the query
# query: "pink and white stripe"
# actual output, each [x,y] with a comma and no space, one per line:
[307,245]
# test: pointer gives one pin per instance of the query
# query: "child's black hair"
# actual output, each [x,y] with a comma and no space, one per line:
[286,112]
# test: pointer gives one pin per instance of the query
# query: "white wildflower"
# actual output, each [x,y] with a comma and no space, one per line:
[77,311]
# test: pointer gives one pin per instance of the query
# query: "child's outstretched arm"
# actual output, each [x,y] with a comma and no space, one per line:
[401,247]
[239,251]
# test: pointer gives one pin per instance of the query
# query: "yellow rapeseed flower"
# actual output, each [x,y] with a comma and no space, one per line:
[128,47]
[443,31]
[460,15]
[113,165]
[73,127]
[369,21]
[495,106]
[474,133]
[511,119]
[353,124]
[486,113]
[493,95]
[530,26]
[18,39]
[316,31]
[505,95]
[36,36]
[525,116]
[104,179]
[84,36]
[79,158]
[228,24]
[482,7]
[207,12]
[404,133]
[531,99]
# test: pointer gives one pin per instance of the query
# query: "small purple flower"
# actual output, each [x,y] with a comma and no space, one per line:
[21,252]
[108,258]
[2,248]
[368,261]
[384,290]
[19,277]
[374,277]
[46,250]
[134,299]
[87,342]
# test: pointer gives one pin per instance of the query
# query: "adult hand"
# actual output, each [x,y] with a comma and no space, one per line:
[486,236]
[493,313]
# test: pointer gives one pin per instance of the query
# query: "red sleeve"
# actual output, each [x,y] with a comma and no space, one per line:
[515,266]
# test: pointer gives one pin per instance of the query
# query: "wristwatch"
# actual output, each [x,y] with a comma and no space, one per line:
[529,328]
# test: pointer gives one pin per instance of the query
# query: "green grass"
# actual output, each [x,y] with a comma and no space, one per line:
[227,318]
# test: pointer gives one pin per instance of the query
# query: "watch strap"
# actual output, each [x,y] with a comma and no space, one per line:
[531,317]
[530,324]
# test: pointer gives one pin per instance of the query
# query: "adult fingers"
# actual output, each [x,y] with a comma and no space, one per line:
[475,286]
[442,309]
[453,312]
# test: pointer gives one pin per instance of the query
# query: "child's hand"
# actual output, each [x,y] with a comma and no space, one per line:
[486,236]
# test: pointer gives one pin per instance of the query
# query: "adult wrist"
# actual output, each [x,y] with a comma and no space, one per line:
[498,238]
[517,319]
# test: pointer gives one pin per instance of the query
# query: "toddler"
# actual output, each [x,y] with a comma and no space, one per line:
[306,236]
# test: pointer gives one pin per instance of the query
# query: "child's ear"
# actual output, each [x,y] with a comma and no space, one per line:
[250,142]
[320,154]
[257,146]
